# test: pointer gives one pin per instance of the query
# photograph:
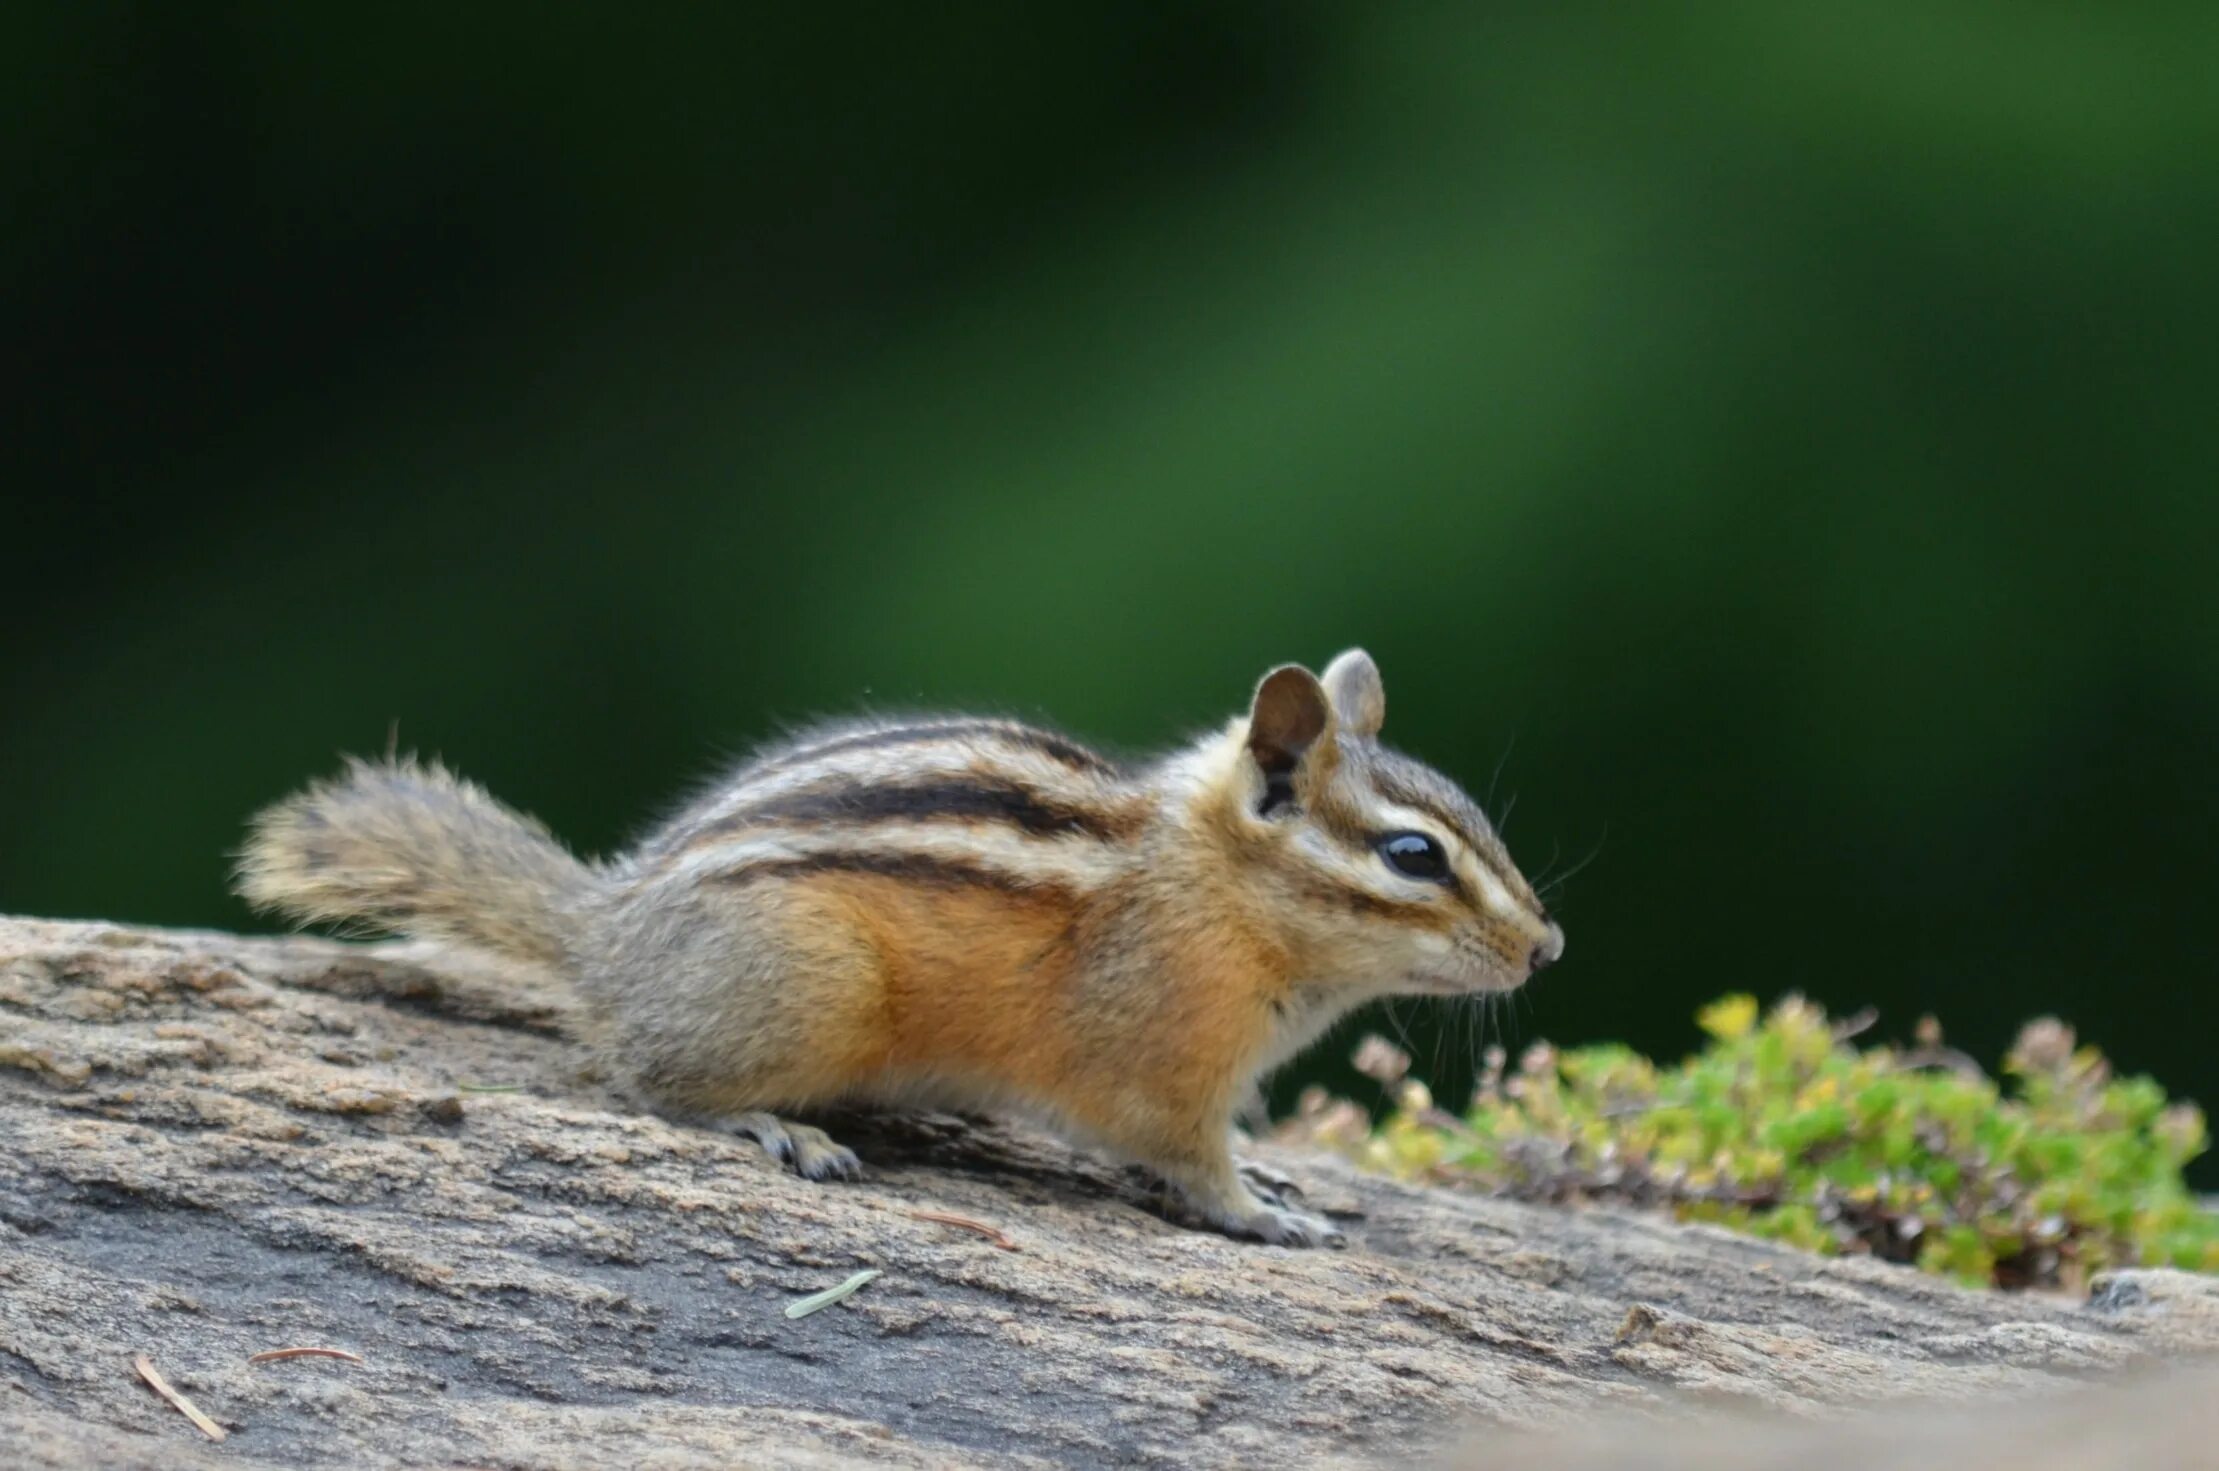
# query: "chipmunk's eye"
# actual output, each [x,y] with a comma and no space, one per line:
[1414,855]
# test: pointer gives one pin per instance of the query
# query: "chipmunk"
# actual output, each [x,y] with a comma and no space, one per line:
[969,913]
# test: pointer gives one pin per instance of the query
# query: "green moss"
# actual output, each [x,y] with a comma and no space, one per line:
[1783,1128]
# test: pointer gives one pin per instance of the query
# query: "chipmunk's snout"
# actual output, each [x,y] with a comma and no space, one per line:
[1548,951]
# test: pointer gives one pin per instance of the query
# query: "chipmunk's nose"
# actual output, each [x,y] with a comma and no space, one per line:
[1548,951]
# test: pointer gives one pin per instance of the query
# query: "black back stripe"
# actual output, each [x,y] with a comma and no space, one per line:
[960,797]
[914,868]
[1060,749]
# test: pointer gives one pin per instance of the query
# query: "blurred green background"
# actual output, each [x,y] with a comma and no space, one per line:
[1784,430]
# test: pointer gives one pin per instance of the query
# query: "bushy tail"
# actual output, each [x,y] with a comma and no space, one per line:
[415,849]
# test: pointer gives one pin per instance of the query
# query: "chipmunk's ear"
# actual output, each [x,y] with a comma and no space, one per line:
[1290,715]
[1359,699]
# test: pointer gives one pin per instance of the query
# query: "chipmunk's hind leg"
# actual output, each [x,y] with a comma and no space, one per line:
[806,1150]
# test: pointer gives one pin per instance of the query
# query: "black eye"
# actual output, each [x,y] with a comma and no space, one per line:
[1414,855]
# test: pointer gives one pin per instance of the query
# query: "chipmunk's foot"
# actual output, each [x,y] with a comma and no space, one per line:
[1283,1227]
[803,1148]
[1237,1210]
[1275,1188]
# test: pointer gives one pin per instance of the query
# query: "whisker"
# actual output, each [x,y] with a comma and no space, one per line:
[1481,1004]
[1490,1035]
[1440,1040]
[1458,1026]
[1394,1019]
[1574,871]
[1500,762]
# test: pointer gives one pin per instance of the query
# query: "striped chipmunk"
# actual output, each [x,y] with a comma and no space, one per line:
[968,913]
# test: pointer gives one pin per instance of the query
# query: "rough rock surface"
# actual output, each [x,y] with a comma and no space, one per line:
[212,1146]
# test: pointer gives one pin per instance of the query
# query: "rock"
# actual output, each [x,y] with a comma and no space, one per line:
[2156,1421]
[213,1146]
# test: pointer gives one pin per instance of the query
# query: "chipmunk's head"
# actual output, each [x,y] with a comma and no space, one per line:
[1378,870]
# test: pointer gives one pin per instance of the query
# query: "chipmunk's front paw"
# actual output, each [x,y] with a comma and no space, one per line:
[1225,1198]
[803,1148]
[1283,1227]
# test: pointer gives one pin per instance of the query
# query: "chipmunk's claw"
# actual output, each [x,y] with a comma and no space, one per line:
[1283,1227]
[818,1156]
[1270,1184]
[1264,1217]
[803,1148]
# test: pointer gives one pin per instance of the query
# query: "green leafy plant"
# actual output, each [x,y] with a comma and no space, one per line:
[1782,1127]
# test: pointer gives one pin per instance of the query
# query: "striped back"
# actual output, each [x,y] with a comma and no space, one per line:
[991,803]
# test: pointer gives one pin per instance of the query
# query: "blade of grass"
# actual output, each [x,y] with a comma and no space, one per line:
[803,1307]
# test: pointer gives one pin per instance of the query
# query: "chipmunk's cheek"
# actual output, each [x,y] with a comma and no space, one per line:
[1438,965]
[1432,960]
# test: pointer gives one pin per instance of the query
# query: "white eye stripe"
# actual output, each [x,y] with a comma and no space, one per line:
[1394,816]
[1463,858]
[1492,895]
[1361,866]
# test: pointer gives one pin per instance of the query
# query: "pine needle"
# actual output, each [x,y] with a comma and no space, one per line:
[994,1234]
[272,1355]
[185,1407]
